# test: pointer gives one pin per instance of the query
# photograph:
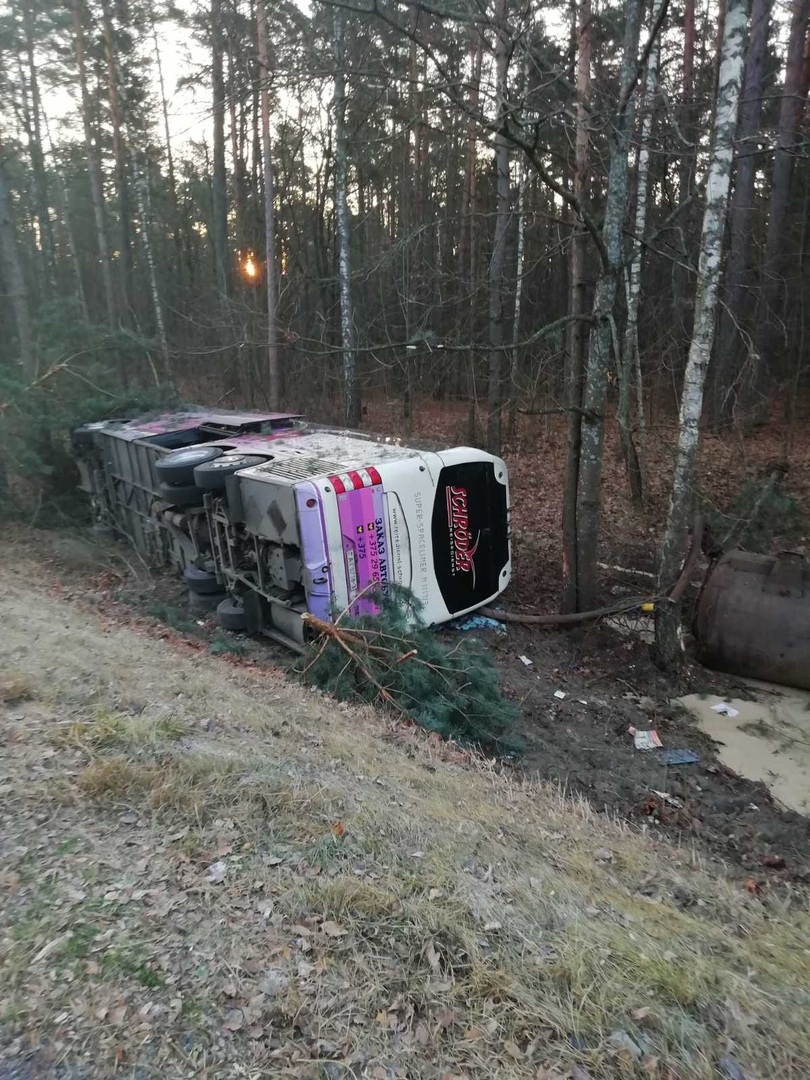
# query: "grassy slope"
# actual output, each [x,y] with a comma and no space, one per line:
[384,909]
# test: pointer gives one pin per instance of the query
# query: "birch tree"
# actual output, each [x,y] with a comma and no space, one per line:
[668,634]
[520,261]
[343,225]
[219,198]
[630,365]
[594,397]
[177,232]
[271,273]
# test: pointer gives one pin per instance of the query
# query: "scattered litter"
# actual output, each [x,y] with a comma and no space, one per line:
[525,660]
[478,622]
[561,694]
[678,757]
[645,740]
[333,929]
[417,854]
[725,709]
[581,701]
[730,1068]
[604,854]
[670,800]
[622,1041]
[216,872]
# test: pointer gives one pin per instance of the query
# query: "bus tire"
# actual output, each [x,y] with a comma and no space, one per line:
[202,604]
[211,475]
[181,494]
[177,467]
[231,615]
[201,582]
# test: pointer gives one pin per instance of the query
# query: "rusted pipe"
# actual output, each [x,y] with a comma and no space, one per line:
[575,617]
[570,619]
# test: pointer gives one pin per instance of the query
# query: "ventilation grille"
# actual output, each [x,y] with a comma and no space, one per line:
[301,467]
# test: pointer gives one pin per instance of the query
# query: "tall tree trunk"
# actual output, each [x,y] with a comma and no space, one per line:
[237,165]
[118,95]
[520,260]
[668,636]
[13,279]
[594,397]
[142,194]
[467,251]
[177,231]
[733,317]
[465,265]
[219,197]
[497,265]
[271,272]
[630,361]
[63,210]
[770,336]
[688,155]
[681,273]
[38,156]
[124,212]
[352,410]
[577,336]
[94,171]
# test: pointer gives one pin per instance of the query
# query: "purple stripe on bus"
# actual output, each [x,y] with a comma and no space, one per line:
[364,531]
[313,549]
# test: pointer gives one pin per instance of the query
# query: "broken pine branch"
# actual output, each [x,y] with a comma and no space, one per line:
[390,658]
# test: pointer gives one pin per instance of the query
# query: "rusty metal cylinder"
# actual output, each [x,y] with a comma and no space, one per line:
[753,617]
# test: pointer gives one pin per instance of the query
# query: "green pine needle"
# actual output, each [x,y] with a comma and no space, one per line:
[449,688]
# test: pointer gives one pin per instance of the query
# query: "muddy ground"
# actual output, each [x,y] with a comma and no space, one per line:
[581,741]
[584,742]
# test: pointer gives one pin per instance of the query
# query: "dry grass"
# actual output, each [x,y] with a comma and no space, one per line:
[103,729]
[14,687]
[381,911]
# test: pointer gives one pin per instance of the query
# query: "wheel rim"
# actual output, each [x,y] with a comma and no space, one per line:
[189,456]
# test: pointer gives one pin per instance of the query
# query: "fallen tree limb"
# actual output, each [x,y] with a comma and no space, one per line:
[390,657]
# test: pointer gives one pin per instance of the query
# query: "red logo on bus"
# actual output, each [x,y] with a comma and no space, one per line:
[458,520]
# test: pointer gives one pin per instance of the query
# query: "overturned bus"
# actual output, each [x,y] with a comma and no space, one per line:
[268,517]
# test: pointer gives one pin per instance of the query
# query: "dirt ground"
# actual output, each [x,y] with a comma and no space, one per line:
[207,872]
[583,741]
